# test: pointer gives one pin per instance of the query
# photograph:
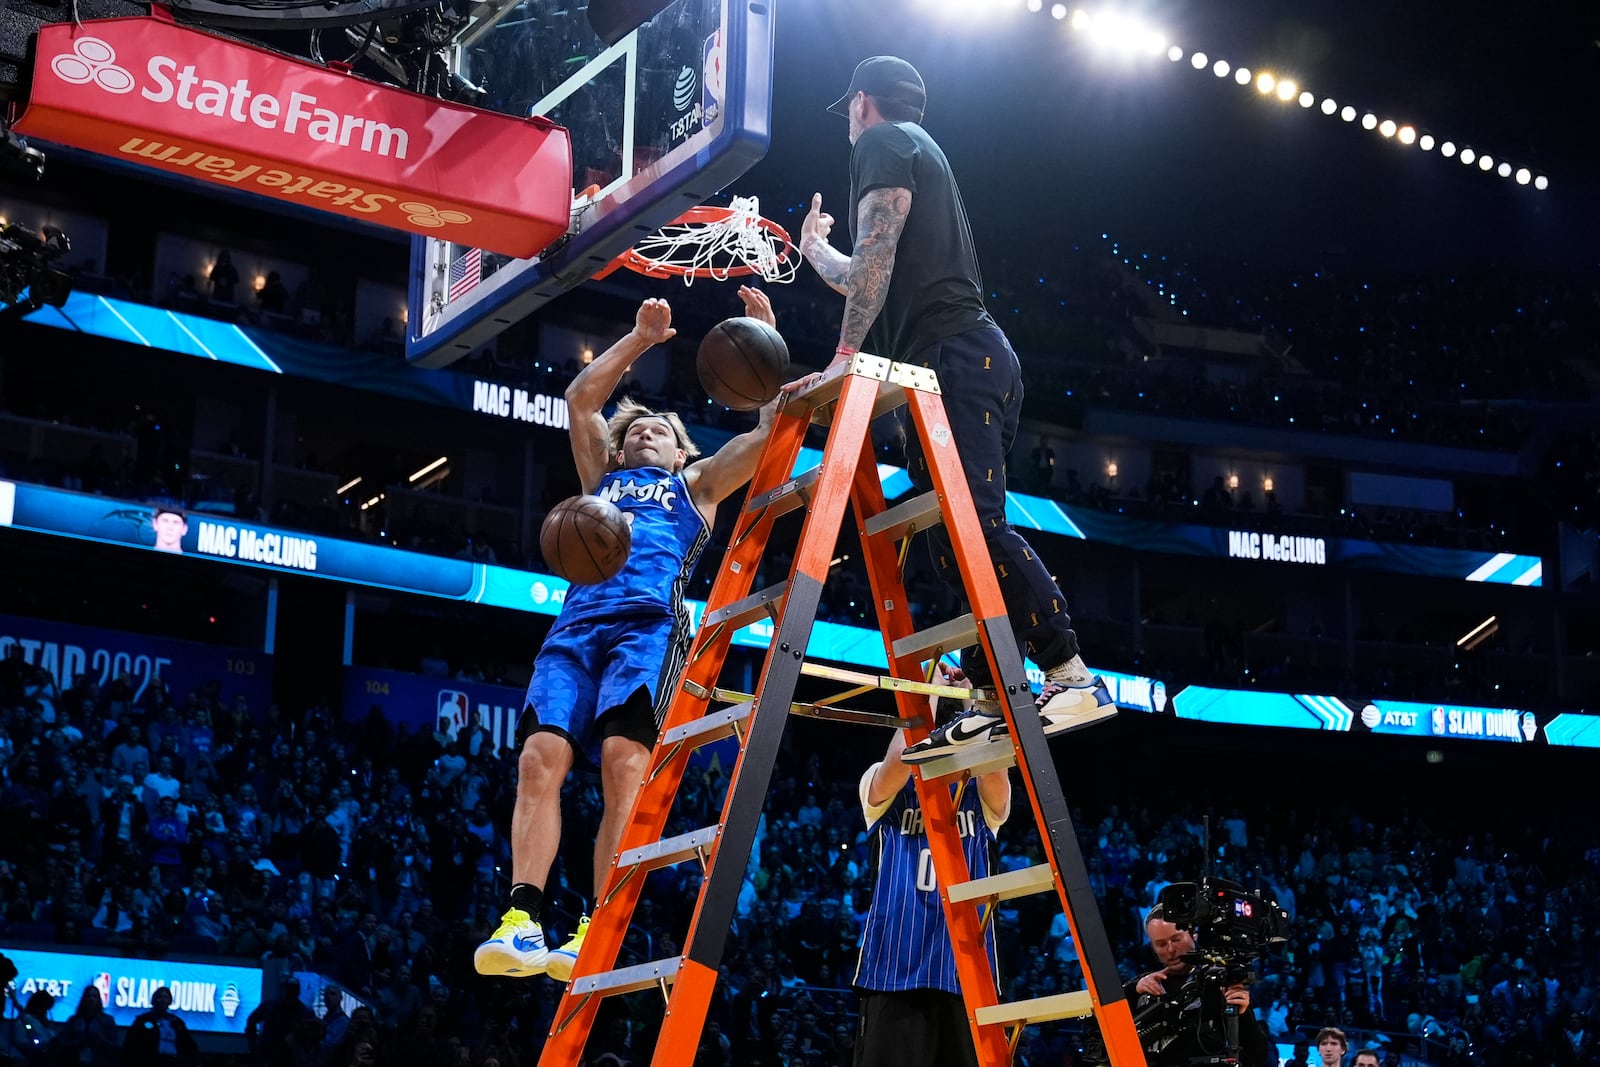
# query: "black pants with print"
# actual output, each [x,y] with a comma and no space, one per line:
[981,382]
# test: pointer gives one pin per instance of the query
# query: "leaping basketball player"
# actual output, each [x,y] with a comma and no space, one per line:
[605,674]
[913,280]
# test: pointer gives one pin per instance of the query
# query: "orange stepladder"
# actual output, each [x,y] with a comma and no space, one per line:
[846,400]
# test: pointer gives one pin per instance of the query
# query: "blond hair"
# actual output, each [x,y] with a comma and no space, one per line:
[630,411]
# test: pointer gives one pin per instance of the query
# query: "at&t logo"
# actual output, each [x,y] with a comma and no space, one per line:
[93,60]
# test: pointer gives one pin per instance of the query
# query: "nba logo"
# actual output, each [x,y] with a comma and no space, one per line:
[452,714]
[714,79]
[102,982]
[1438,721]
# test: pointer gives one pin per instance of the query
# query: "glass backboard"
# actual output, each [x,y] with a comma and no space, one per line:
[660,121]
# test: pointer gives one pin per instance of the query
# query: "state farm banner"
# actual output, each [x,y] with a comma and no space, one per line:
[149,91]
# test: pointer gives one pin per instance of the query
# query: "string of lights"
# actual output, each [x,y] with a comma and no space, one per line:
[1115,32]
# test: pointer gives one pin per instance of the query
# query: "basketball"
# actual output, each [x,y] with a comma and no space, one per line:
[742,363]
[585,540]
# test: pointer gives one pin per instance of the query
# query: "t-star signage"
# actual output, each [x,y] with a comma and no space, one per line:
[149,91]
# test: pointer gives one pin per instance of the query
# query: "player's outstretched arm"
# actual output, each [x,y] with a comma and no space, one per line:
[589,391]
[715,478]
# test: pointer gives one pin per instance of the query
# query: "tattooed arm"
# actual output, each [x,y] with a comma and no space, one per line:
[880,219]
[831,265]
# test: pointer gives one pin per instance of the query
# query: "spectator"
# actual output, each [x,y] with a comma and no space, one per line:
[89,1037]
[158,1038]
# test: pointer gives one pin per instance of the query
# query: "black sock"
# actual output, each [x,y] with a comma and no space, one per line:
[528,898]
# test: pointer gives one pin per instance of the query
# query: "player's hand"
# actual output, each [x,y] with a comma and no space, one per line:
[1238,997]
[653,324]
[757,305]
[817,225]
[1154,985]
[769,412]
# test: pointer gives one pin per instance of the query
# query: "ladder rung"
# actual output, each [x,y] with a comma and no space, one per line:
[949,636]
[709,728]
[763,603]
[907,517]
[671,850]
[626,979]
[889,682]
[974,759]
[1060,1006]
[861,718]
[785,497]
[1022,883]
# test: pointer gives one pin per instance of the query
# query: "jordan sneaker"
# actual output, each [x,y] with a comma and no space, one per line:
[973,728]
[1064,708]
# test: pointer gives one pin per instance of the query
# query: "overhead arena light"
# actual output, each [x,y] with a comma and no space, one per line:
[429,469]
[1479,634]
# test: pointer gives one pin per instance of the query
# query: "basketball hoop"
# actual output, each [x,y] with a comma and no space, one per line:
[717,243]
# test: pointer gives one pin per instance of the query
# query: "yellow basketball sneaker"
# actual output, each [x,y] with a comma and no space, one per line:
[515,950]
[563,959]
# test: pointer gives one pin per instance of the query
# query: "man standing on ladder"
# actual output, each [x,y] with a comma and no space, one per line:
[911,1005]
[913,279]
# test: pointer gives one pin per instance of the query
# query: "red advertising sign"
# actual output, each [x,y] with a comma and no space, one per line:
[162,95]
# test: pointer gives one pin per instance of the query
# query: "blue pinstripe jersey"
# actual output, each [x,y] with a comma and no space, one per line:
[668,534]
[906,943]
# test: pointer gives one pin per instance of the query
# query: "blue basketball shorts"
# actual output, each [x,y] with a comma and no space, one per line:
[588,678]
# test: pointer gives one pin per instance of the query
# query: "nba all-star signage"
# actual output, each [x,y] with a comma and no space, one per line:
[148,91]
[208,997]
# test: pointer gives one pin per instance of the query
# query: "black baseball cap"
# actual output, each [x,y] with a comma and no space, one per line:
[886,77]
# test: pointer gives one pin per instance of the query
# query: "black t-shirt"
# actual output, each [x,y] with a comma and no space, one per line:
[935,291]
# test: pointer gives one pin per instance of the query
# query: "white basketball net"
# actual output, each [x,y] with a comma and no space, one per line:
[718,247]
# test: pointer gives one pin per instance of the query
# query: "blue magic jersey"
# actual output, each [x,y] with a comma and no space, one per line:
[668,534]
[906,943]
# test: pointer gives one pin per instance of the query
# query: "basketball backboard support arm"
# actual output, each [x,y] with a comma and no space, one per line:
[638,199]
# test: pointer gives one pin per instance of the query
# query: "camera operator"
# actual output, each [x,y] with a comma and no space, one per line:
[1194,1009]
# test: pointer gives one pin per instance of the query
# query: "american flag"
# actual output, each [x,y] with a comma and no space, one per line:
[465,273]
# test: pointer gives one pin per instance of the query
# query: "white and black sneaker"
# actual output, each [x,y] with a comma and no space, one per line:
[972,728]
[1064,708]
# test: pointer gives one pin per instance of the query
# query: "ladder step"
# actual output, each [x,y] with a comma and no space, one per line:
[1023,883]
[889,682]
[794,493]
[671,850]
[949,636]
[907,517]
[973,759]
[627,979]
[1060,1006]
[763,603]
[809,401]
[711,727]
[851,715]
